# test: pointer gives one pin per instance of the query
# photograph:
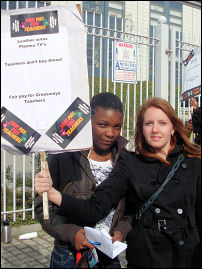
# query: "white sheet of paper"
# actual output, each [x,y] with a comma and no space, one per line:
[107,247]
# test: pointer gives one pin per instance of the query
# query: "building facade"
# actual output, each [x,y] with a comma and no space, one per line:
[136,17]
[141,17]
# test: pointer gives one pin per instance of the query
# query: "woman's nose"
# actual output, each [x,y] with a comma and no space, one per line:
[155,128]
[109,132]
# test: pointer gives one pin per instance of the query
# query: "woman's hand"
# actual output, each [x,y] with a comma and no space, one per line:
[117,237]
[80,240]
[43,183]
[194,103]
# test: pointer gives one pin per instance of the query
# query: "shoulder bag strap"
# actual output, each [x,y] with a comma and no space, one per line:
[156,193]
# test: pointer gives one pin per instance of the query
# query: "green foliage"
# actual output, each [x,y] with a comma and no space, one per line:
[9,175]
[19,179]
[19,205]
[37,162]
[19,195]
[28,220]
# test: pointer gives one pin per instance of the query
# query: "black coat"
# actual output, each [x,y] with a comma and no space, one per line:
[196,122]
[167,235]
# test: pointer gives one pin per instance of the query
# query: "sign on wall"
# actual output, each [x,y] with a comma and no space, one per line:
[124,62]
[44,72]
[192,74]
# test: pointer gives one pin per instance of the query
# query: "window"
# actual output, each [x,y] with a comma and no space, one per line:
[22,4]
[12,4]
[115,9]
[177,28]
[40,4]
[90,18]
[115,14]
[154,22]
[115,4]
[175,13]
[175,20]
[31,3]
[93,6]
[3,5]
[155,16]
[157,8]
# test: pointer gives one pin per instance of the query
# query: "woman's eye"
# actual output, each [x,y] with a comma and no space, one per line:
[163,123]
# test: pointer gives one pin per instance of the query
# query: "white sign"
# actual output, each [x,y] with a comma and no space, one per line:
[44,70]
[192,74]
[124,62]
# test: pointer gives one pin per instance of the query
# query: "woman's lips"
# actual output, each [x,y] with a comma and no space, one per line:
[155,137]
[107,142]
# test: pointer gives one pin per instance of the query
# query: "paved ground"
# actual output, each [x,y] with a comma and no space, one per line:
[32,253]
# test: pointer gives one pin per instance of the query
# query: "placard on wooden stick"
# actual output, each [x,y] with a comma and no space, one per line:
[49,56]
[47,47]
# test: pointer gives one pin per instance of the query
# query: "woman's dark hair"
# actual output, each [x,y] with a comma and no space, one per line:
[106,100]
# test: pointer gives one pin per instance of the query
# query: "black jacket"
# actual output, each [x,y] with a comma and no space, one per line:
[196,122]
[178,208]
[71,173]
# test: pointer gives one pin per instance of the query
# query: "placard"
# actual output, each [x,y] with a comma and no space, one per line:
[44,69]
[192,74]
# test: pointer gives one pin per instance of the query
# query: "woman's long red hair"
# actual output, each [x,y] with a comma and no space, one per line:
[179,137]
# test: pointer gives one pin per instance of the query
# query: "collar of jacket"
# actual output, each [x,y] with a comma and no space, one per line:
[176,151]
[120,144]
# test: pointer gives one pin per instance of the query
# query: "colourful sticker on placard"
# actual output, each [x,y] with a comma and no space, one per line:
[191,93]
[70,123]
[191,54]
[34,23]
[17,132]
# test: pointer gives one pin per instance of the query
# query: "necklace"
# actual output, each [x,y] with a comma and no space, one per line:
[98,157]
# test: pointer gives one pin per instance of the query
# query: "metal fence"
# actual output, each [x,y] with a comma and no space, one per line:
[18,170]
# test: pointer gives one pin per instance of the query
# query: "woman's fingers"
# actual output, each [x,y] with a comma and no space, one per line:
[42,182]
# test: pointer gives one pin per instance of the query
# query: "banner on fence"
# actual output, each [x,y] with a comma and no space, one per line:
[192,74]
[124,62]
[44,76]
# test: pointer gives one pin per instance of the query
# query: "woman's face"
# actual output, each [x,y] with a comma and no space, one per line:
[106,127]
[157,129]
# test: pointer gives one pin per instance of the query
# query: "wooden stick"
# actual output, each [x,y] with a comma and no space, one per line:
[79,8]
[45,194]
